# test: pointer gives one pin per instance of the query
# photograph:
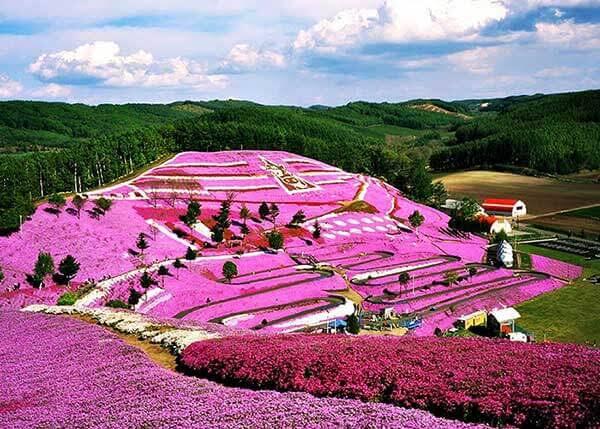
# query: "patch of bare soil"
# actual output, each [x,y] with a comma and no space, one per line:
[541,195]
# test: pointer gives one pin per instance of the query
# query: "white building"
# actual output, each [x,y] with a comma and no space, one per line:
[513,208]
[505,254]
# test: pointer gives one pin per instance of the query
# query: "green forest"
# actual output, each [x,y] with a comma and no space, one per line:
[47,148]
[552,134]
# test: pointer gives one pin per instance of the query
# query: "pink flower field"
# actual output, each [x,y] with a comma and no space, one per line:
[493,381]
[365,242]
[60,372]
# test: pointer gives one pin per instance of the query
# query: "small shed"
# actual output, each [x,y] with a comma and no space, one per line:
[478,318]
[502,321]
[506,207]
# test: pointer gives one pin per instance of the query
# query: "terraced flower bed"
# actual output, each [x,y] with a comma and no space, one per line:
[493,381]
[365,242]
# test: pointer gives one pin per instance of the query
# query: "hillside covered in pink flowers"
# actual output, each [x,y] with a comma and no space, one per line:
[364,241]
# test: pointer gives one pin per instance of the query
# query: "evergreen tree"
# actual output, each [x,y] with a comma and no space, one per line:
[142,243]
[190,254]
[146,280]
[79,203]
[222,218]
[44,266]
[263,210]
[217,234]
[68,268]
[191,216]
[162,272]
[275,239]
[274,212]
[419,181]
[298,218]
[317,230]
[353,324]
[404,278]
[230,270]
[244,215]
[134,297]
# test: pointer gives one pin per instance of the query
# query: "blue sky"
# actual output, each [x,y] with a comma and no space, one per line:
[300,52]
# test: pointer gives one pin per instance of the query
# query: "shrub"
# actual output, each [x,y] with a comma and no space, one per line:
[275,239]
[474,379]
[117,303]
[67,298]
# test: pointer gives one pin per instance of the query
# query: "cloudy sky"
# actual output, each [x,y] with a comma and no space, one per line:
[295,51]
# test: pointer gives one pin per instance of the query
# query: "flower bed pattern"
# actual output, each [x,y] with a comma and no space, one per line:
[60,372]
[494,381]
[361,219]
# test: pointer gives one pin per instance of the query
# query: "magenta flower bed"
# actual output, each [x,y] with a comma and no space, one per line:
[555,267]
[60,372]
[494,381]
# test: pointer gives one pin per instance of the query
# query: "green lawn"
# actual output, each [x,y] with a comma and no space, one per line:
[570,314]
[590,213]
[380,131]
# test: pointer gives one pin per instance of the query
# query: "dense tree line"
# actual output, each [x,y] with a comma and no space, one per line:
[554,134]
[27,177]
[86,147]
[27,126]
[95,162]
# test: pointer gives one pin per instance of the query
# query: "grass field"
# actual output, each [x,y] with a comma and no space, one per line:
[569,314]
[589,213]
[381,131]
[574,224]
[541,195]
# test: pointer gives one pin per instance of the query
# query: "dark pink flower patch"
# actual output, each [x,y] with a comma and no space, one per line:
[493,381]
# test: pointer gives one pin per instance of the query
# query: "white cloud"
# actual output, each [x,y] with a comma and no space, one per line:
[343,29]
[400,21]
[569,34]
[9,88]
[102,63]
[52,90]
[479,60]
[243,57]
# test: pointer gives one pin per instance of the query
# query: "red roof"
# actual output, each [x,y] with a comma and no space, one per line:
[499,202]
[488,220]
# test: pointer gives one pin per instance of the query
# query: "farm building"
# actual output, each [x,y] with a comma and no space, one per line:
[505,254]
[495,224]
[502,321]
[513,208]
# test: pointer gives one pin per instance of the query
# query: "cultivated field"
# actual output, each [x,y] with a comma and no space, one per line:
[542,195]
